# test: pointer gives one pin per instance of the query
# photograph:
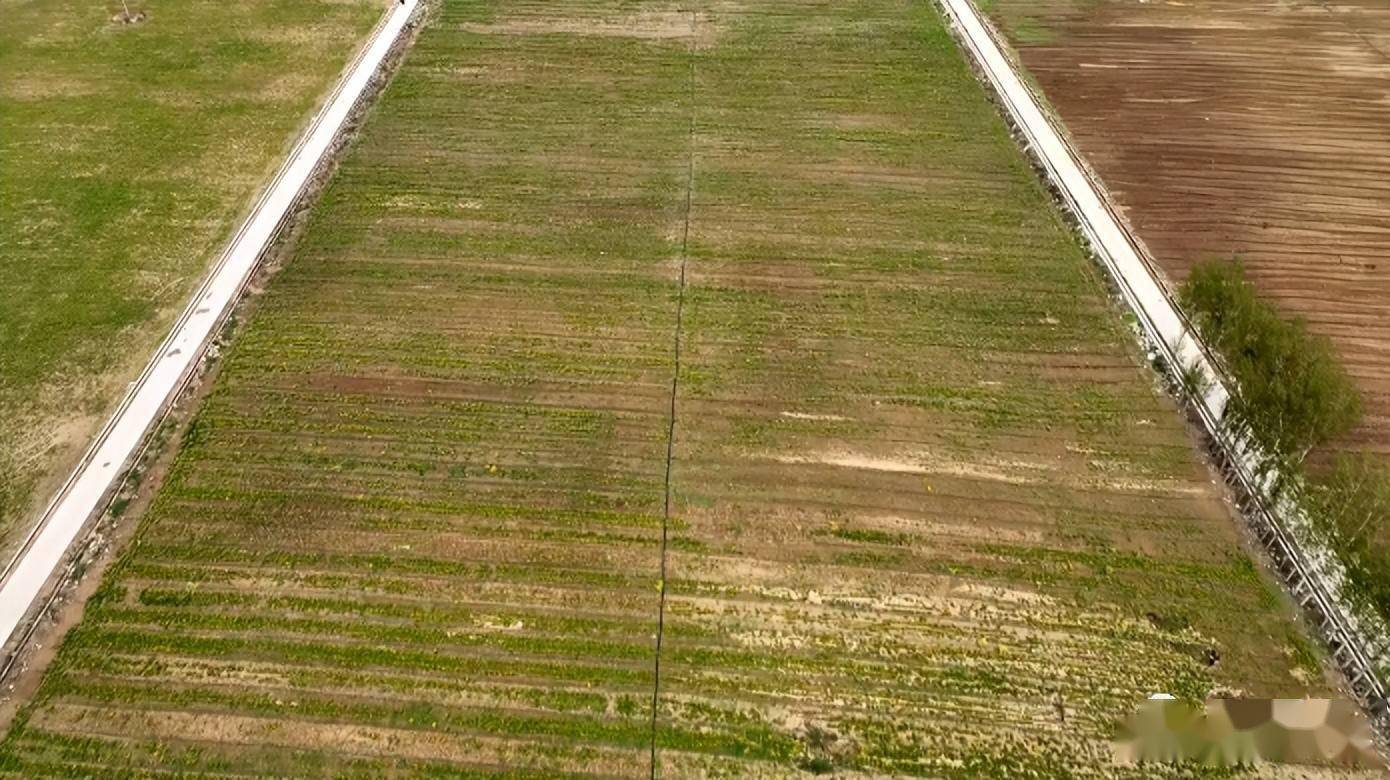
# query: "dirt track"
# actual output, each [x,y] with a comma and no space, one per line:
[1253,128]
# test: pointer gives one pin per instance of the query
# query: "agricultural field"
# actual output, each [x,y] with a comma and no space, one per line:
[127,153]
[1241,128]
[711,385]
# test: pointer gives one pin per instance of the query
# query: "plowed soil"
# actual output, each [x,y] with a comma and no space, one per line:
[1258,129]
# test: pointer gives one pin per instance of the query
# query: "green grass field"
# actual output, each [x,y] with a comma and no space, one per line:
[926,512]
[127,153]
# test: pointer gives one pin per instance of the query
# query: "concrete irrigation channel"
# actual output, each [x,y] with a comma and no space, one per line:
[1311,575]
[28,577]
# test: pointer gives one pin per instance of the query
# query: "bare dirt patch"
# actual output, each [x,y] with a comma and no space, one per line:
[339,738]
[698,27]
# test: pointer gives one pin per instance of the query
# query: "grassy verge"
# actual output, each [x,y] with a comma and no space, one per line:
[128,152]
[1291,396]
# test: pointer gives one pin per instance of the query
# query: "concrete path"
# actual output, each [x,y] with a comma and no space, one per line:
[23,581]
[1312,575]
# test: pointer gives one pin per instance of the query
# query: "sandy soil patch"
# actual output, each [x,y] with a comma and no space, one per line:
[345,738]
[672,25]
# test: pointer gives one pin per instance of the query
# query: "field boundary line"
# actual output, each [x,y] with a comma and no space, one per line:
[1312,575]
[675,386]
[1356,32]
[120,441]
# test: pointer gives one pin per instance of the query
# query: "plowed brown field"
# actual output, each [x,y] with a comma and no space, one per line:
[1250,128]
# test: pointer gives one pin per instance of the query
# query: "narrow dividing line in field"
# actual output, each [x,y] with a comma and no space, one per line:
[675,385]
[1359,34]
